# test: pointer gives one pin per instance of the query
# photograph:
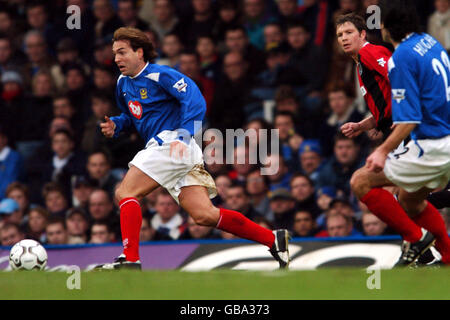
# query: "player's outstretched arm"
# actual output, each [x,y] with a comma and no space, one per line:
[108,127]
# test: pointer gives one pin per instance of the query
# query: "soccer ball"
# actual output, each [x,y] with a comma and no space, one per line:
[28,255]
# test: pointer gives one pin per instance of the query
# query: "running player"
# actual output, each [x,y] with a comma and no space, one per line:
[372,65]
[163,105]
[419,71]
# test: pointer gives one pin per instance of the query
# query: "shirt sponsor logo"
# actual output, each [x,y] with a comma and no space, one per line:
[381,62]
[135,109]
[180,85]
[398,95]
[363,90]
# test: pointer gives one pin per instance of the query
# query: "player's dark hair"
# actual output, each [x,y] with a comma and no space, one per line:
[400,18]
[353,18]
[137,39]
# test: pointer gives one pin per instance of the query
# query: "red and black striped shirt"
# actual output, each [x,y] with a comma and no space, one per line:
[374,83]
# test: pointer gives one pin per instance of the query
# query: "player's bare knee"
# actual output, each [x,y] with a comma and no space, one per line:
[206,217]
[359,184]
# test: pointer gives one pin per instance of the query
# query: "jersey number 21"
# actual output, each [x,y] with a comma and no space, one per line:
[438,67]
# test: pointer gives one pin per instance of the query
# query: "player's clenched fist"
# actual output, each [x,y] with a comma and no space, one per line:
[351,129]
[108,127]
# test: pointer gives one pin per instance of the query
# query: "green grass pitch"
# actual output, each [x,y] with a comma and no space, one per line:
[343,283]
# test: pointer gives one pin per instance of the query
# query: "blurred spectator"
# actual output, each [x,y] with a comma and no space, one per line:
[283,206]
[343,110]
[229,16]
[103,54]
[55,199]
[165,19]
[64,163]
[310,155]
[209,59]
[167,221]
[288,10]
[21,194]
[11,164]
[128,15]
[372,226]
[9,59]
[63,107]
[324,197]
[149,202]
[38,19]
[256,17]
[302,189]
[99,171]
[82,188]
[10,234]
[12,101]
[102,105]
[236,40]
[223,182]
[56,231]
[37,52]
[290,140]
[10,211]
[66,52]
[273,35]
[257,187]
[195,231]
[171,49]
[338,170]
[309,60]
[281,178]
[106,19]
[77,223]
[101,233]
[439,23]
[101,208]
[237,199]
[339,225]
[232,94]
[203,18]
[244,161]
[190,66]
[304,224]
[316,15]
[147,232]
[104,78]
[77,88]
[37,223]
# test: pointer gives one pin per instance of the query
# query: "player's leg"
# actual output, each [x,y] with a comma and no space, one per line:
[367,186]
[428,217]
[195,200]
[135,185]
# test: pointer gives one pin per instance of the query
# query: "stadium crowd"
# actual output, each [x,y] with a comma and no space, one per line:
[260,64]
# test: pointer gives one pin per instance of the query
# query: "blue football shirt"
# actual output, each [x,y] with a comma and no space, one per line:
[419,72]
[158,98]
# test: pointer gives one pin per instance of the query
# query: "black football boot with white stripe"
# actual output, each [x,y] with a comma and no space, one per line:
[280,248]
[412,251]
[120,263]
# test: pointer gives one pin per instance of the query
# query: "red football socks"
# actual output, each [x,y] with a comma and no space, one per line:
[237,224]
[130,226]
[383,204]
[431,219]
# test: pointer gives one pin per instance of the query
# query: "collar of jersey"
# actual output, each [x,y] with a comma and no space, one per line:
[140,72]
[408,36]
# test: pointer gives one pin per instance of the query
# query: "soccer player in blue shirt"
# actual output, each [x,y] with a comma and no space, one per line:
[419,73]
[163,105]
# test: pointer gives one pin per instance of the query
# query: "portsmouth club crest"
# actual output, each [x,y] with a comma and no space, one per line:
[143,92]
[135,109]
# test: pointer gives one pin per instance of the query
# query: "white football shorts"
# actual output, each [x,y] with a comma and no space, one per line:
[421,163]
[170,172]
